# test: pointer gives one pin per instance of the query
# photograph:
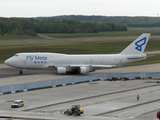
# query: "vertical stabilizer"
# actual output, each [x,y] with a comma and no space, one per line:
[138,46]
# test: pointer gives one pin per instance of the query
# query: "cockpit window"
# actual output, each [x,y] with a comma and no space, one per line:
[15,55]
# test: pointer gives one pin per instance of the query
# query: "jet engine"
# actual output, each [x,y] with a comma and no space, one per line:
[84,70]
[61,70]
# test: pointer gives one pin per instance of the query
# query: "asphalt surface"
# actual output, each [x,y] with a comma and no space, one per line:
[51,103]
[113,100]
[10,76]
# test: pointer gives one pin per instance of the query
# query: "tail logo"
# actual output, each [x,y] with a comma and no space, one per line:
[140,43]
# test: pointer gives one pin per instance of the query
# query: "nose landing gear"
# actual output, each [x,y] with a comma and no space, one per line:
[20,72]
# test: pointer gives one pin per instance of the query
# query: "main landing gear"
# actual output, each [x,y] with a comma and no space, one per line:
[20,72]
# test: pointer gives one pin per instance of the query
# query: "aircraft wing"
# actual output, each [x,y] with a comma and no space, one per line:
[93,66]
[104,66]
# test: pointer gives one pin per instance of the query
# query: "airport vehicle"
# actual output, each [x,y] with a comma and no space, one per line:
[82,64]
[75,110]
[17,103]
[158,115]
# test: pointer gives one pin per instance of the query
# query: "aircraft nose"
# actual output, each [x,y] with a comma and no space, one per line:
[8,62]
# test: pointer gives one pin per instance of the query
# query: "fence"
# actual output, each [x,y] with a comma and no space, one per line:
[80,79]
[130,75]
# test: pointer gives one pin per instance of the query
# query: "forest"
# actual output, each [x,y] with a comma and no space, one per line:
[73,24]
[31,26]
[128,21]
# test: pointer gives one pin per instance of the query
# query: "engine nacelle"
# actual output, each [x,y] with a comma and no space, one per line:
[61,70]
[84,70]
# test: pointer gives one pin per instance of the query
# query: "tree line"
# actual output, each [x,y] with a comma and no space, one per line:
[128,21]
[31,26]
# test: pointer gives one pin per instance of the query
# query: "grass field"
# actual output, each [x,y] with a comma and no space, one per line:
[8,38]
[94,47]
[82,47]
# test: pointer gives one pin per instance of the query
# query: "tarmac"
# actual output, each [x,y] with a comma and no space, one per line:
[9,76]
[101,100]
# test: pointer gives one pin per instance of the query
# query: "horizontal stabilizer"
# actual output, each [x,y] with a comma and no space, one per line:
[138,56]
[134,58]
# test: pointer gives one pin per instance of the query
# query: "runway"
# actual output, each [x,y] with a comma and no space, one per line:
[10,76]
[100,100]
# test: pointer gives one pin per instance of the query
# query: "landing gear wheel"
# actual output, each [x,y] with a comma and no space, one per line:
[20,72]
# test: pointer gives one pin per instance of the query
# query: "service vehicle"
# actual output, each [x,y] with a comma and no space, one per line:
[17,103]
[75,110]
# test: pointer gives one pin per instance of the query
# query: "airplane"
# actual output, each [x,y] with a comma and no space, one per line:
[83,64]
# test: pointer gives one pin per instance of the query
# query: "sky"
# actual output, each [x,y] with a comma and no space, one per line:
[48,8]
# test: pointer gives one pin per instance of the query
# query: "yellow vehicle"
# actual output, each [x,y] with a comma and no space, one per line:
[17,103]
[75,110]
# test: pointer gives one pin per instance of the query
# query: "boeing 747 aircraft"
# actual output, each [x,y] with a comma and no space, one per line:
[82,64]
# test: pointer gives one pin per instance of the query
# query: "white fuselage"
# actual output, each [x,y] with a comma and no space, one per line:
[44,60]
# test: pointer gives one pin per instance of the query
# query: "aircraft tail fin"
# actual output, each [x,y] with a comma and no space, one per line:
[138,46]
